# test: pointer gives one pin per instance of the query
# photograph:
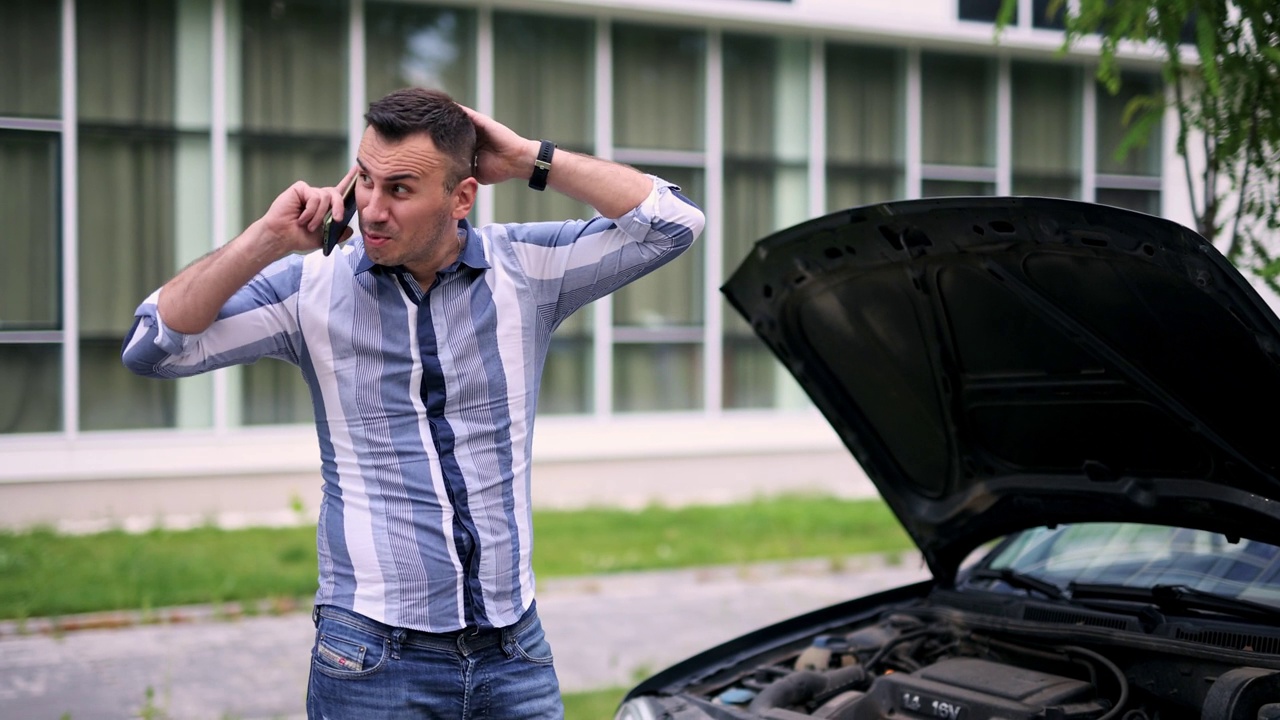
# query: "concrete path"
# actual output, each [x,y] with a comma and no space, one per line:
[606,631]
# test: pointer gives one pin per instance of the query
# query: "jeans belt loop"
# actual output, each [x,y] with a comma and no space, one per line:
[397,640]
[315,615]
[508,640]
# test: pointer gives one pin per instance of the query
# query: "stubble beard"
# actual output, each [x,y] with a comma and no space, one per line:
[420,248]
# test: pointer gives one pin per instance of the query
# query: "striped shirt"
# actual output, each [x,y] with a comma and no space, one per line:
[424,398]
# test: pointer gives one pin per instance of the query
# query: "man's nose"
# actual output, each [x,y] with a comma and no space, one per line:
[375,207]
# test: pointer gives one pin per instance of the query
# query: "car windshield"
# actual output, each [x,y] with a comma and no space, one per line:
[1144,556]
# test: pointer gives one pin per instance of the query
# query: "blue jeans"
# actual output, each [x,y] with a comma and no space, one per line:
[361,668]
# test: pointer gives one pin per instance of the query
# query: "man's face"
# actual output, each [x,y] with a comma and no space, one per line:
[406,215]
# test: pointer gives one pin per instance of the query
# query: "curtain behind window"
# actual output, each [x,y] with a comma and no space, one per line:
[31,84]
[766,105]
[544,77]
[657,355]
[129,67]
[958,110]
[292,126]
[30,291]
[1046,130]
[1144,160]
[544,80]
[866,112]
[1141,163]
[658,88]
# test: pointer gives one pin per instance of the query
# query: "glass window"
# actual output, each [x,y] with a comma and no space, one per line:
[1144,201]
[672,295]
[1048,14]
[865,116]
[31,394]
[766,107]
[544,80]
[1112,128]
[955,188]
[143,69]
[1046,130]
[659,80]
[650,377]
[568,375]
[30,291]
[288,123]
[982,10]
[657,320]
[416,46]
[31,85]
[659,87]
[1131,180]
[958,110]
[544,76]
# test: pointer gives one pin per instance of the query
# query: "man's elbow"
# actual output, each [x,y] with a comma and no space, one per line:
[686,223]
[140,353]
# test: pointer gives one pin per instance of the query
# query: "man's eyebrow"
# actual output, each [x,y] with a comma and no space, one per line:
[390,178]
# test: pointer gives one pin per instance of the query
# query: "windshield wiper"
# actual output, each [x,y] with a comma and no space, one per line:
[1179,597]
[1019,580]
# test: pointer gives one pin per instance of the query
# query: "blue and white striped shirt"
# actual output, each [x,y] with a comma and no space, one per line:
[424,399]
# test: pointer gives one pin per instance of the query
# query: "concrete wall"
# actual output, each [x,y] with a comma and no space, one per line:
[271,476]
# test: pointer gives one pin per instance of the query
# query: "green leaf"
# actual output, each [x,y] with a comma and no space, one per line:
[1142,115]
[1207,44]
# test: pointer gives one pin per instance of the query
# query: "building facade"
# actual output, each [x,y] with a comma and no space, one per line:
[136,135]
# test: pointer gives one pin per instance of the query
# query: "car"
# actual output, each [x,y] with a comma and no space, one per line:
[1072,410]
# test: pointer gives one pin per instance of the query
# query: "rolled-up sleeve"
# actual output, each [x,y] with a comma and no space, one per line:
[260,320]
[576,262]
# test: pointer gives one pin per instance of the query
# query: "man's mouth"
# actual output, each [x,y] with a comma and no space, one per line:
[375,239]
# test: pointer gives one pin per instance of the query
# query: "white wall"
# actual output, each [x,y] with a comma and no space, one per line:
[259,476]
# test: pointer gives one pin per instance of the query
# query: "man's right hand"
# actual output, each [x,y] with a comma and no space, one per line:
[294,220]
[189,303]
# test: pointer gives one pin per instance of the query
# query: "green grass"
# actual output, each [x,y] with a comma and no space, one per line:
[594,705]
[600,541]
[46,574]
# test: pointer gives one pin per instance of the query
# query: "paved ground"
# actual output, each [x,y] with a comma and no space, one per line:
[605,632]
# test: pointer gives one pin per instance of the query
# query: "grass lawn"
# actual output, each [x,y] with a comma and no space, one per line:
[46,574]
[594,705]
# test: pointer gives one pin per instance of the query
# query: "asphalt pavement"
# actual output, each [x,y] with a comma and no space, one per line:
[197,663]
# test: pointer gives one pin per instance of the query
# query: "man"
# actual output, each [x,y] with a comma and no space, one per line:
[422,342]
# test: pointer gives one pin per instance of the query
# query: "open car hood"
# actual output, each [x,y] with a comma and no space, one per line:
[996,364]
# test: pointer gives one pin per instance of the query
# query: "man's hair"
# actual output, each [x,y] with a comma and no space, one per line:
[402,113]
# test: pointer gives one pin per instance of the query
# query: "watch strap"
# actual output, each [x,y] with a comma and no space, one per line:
[542,166]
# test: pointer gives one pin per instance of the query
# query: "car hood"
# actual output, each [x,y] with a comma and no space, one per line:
[996,364]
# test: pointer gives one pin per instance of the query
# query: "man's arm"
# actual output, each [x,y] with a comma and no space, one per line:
[501,155]
[189,303]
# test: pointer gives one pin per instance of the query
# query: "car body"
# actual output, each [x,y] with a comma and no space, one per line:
[1071,409]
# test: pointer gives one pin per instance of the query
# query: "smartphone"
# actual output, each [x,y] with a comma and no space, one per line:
[331,232]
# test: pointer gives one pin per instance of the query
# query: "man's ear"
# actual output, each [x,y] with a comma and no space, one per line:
[464,197]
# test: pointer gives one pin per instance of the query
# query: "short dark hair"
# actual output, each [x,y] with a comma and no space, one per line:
[402,113]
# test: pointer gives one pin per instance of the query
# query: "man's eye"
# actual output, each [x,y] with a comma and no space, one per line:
[400,189]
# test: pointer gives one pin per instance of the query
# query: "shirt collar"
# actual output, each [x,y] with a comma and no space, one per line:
[472,255]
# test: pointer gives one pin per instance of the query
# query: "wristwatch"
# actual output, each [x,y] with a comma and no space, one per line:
[542,166]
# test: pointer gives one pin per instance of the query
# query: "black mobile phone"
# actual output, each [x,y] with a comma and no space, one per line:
[331,232]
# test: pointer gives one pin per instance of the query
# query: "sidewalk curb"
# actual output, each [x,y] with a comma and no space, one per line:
[179,615]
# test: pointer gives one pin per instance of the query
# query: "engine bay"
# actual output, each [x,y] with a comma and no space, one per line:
[927,662]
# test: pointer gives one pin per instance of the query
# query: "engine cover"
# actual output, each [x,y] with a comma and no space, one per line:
[973,689]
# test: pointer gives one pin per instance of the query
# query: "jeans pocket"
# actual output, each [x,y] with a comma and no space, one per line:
[531,644]
[345,651]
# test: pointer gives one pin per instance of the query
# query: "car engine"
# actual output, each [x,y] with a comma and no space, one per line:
[920,663]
